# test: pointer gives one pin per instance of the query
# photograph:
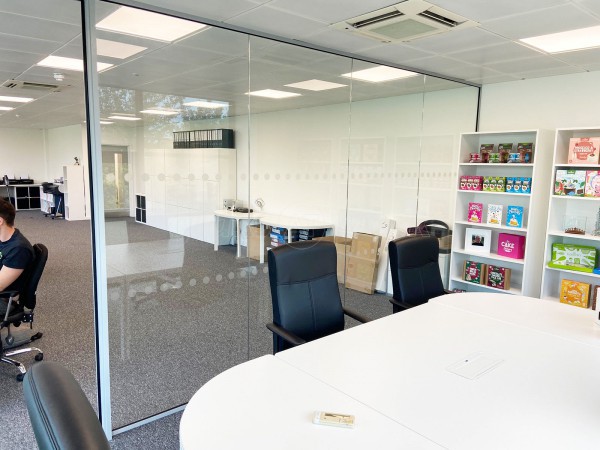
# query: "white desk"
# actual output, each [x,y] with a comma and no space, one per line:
[393,372]
[289,223]
[237,216]
[267,404]
[544,395]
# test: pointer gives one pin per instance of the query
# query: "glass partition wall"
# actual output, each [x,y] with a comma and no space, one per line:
[206,120]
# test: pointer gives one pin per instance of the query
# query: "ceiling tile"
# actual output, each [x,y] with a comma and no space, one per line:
[396,53]
[31,27]
[330,11]
[64,11]
[221,10]
[527,64]
[342,40]
[481,10]
[592,6]
[548,72]
[456,40]
[277,22]
[494,53]
[583,58]
[551,20]
[492,79]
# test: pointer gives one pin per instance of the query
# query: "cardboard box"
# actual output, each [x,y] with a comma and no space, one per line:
[574,293]
[581,258]
[365,245]
[584,150]
[361,273]
[342,247]
[511,245]
[254,241]
[570,182]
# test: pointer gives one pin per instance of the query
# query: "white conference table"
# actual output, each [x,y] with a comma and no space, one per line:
[543,393]
[289,223]
[237,216]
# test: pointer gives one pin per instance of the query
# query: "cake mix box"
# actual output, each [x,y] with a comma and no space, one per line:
[525,150]
[592,183]
[475,214]
[574,293]
[494,215]
[511,245]
[514,216]
[570,182]
[581,258]
[583,150]
[474,272]
[498,277]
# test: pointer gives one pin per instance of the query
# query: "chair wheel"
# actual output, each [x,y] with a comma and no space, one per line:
[17,324]
[20,377]
[10,340]
[39,357]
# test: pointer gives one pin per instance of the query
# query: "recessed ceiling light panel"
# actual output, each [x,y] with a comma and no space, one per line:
[379,74]
[273,93]
[117,50]
[126,118]
[6,98]
[160,112]
[566,41]
[6,108]
[148,24]
[207,104]
[316,85]
[60,62]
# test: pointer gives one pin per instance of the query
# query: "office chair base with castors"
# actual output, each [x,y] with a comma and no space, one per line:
[8,353]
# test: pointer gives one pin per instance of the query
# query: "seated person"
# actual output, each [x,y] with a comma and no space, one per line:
[16,253]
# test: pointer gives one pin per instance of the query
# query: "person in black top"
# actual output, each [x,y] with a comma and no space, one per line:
[16,252]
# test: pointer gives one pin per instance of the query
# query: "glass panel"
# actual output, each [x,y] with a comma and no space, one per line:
[178,309]
[296,164]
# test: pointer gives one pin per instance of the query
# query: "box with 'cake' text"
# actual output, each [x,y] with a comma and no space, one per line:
[511,245]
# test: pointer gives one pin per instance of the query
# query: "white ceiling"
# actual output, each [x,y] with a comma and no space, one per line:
[213,64]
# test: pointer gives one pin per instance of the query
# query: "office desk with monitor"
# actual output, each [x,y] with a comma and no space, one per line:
[461,372]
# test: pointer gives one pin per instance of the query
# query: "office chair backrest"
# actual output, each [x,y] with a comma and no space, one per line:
[60,413]
[415,269]
[304,290]
[28,295]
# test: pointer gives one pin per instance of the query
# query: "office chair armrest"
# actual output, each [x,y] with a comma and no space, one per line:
[285,334]
[401,305]
[355,315]
[8,294]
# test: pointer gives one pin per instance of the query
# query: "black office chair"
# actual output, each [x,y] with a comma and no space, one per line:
[305,293]
[415,271]
[19,309]
[60,413]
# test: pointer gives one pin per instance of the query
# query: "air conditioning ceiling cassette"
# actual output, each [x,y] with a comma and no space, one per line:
[405,21]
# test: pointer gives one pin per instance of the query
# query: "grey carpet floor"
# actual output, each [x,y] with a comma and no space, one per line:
[171,328]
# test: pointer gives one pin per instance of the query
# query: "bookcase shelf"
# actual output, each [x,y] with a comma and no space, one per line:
[217,138]
[525,272]
[562,207]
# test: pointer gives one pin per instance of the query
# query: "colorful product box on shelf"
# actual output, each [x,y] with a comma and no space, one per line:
[592,183]
[471,183]
[498,277]
[504,150]
[474,272]
[494,184]
[475,214]
[584,150]
[485,150]
[581,258]
[511,245]
[570,182]
[494,215]
[514,216]
[525,150]
[574,293]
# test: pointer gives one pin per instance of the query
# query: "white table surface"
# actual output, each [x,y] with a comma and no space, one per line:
[267,404]
[237,216]
[544,395]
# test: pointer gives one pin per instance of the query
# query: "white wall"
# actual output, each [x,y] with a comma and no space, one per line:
[63,145]
[23,153]
[541,103]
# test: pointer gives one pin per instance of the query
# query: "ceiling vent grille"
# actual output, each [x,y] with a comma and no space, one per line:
[29,85]
[406,21]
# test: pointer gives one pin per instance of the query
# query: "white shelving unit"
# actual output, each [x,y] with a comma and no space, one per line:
[525,273]
[74,193]
[562,206]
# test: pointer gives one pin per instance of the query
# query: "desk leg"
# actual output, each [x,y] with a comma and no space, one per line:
[237,234]
[289,235]
[261,250]
[216,233]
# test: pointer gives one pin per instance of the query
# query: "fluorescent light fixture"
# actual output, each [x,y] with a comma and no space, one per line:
[106,122]
[60,62]
[160,112]
[316,85]
[207,104]
[148,24]
[379,74]
[566,41]
[6,98]
[273,93]
[6,108]
[117,49]
[124,118]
